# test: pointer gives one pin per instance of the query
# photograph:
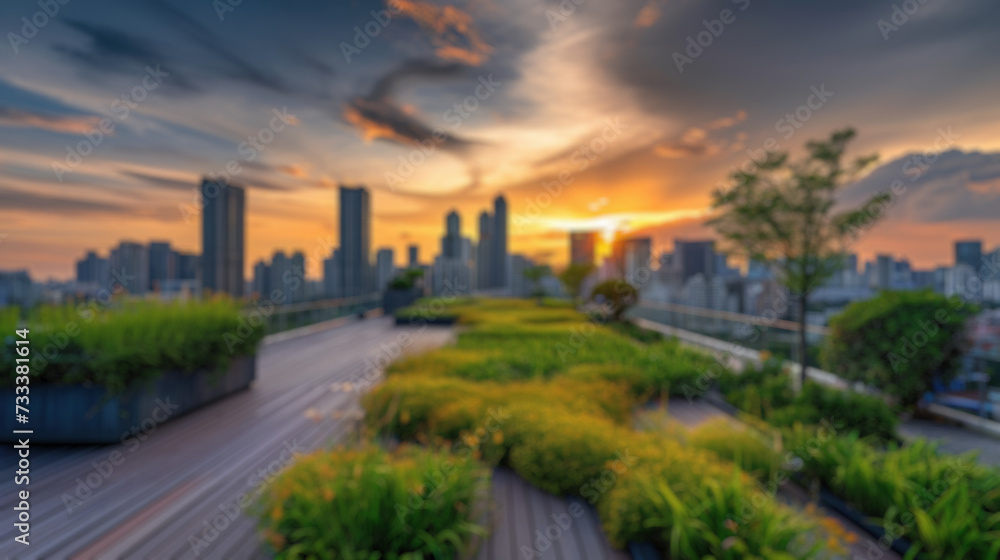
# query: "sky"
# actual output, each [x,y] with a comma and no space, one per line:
[586,114]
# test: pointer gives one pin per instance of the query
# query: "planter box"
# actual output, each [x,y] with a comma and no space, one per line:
[419,321]
[398,299]
[86,415]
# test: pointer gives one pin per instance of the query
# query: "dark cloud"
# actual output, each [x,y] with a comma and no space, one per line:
[36,203]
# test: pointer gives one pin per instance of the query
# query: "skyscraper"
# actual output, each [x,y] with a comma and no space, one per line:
[582,247]
[498,247]
[694,257]
[484,250]
[355,242]
[969,253]
[450,243]
[638,260]
[331,275]
[414,256]
[93,270]
[222,237]
[385,268]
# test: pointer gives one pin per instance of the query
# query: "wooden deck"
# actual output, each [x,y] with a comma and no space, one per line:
[165,491]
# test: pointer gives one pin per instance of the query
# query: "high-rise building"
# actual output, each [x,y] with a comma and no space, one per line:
[450,243]
[413,252]
[637,260]
[385,268]
[222,237]
[355,242]
[187,265]
[498,247]
[484,250]
[694,257]
[15,288]
[969,253]
[93,270]
[582,247]
[130,263]
[161,265]
[884,267]
[331,275]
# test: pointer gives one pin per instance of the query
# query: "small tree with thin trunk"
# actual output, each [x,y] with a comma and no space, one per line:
[573,277]
[782,214]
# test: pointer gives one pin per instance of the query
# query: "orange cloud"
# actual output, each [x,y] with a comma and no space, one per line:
[297,171]
[370,129]
[648,15]
[454,34]
[54,123]
[726,122]
[693,143]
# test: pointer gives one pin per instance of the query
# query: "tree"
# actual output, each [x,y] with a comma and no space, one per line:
[619,293]
[782,214]
[535,274]
[573,276]
[898,342]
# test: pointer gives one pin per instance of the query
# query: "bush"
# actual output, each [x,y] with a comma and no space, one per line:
[368,503]
[751,450]
[619,294]
[132,342]
[766,392]
[898,342]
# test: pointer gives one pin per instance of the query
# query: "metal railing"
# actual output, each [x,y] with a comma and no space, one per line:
[778,336]
[285,317]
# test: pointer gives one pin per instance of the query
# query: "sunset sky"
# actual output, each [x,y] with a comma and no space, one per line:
[616,98]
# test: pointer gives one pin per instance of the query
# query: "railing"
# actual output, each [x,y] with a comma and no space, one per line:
[774,335]
[280,318]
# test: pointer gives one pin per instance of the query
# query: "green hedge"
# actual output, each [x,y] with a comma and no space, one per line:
[128,342]
[898,342]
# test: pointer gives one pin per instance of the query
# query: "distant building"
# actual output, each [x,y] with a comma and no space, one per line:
[283,281]
[161,265]
[93,271]
[331,275]
[498,248]
[355,242]
[694,257]
[16,289]
[187,266]
[582,247]
[223,237]
[484,252]
[385,268]
[130,263]
[413,252]
[637,260]
[519,285]
[969,253]
[884,267]
[451,242]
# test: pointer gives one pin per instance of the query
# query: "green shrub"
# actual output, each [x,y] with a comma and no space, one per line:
[133,342]
[619,294]
[751,450]
[366,503]
[898,342]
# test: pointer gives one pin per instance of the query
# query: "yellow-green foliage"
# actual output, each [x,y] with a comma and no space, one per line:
[367,503]
[753,451]
[551,395]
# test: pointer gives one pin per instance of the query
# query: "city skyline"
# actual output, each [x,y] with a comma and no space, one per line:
[522,101]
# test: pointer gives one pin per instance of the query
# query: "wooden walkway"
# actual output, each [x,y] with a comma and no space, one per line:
[160,499]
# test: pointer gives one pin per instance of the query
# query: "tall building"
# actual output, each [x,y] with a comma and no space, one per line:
[498,247]
[884,267]
[129,263]
[187,266]
[694,257]
[355,242]
[582,247]
[93,270]
[161,265]
[15,288]
[222,237]
[484,260]
[450,243]
[413,252]
[331,275]
[969,253]
[259,286]
[385,268]
[637,260]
